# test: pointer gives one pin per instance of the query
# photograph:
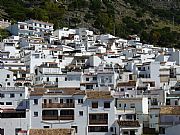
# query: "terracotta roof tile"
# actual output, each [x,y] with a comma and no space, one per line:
[58,131]
[40,91]
[128,123]
[130,83]
[170,110]
[98,94]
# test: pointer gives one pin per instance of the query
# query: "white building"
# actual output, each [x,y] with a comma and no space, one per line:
[89,112]
[14,110]
[31,27]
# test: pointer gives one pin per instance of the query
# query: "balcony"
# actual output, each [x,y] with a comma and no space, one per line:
[98,122]
[62,117]
[66,117]
[49,117]
[154,103]
[58,105]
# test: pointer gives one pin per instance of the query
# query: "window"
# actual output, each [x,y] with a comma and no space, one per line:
[161,130]
[75,127]
[106,104]
[80,101]
[56,79]
[20,94]
[1,131]
[35,114]
[17,130]
[23,75]
[122,89]
[31,28]
[80,113]
[94,78]
[61,101]
[21,26]
[50,101]
[35,101]
[47,79]
[98,129]
[94,104]
[8,103]
[12,95]
[132,105]
[89,86]
[87,79]
[1,103]
[129,116]
[125,132]
[8,84]
[176,102]
[2,95]
[168,102]
[119,105]
[111,129]
[8,75]
[129,88]
[46,126]
[67,112]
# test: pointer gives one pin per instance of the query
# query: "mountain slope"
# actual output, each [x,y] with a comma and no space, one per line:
[157,22]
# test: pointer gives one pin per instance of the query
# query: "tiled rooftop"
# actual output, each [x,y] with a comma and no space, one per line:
[98,95]
[130,83]
[170,110]
[54,91]
[126,123]
[58,131]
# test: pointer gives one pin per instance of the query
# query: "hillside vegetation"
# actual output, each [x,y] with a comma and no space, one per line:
[157,22]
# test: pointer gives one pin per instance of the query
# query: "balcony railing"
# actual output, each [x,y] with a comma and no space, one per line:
[62,117]
[98,122]
[58,105]
[49,117]
[166,123]
[66,117]
[154,103]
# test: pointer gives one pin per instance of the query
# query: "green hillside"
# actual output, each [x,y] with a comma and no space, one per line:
[157,22]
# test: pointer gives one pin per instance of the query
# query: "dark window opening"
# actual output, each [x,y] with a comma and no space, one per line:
[106,104]
[12,95]
[94,104]
[98,129]
[80,101]
[36,101]
[75,127]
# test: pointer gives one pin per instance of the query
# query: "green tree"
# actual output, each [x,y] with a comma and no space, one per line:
[3,34]
[154,37]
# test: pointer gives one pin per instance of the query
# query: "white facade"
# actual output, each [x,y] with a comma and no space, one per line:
[31,27]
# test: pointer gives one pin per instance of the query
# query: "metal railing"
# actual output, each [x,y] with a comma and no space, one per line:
[55,117]
[98,122]
[58,105]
